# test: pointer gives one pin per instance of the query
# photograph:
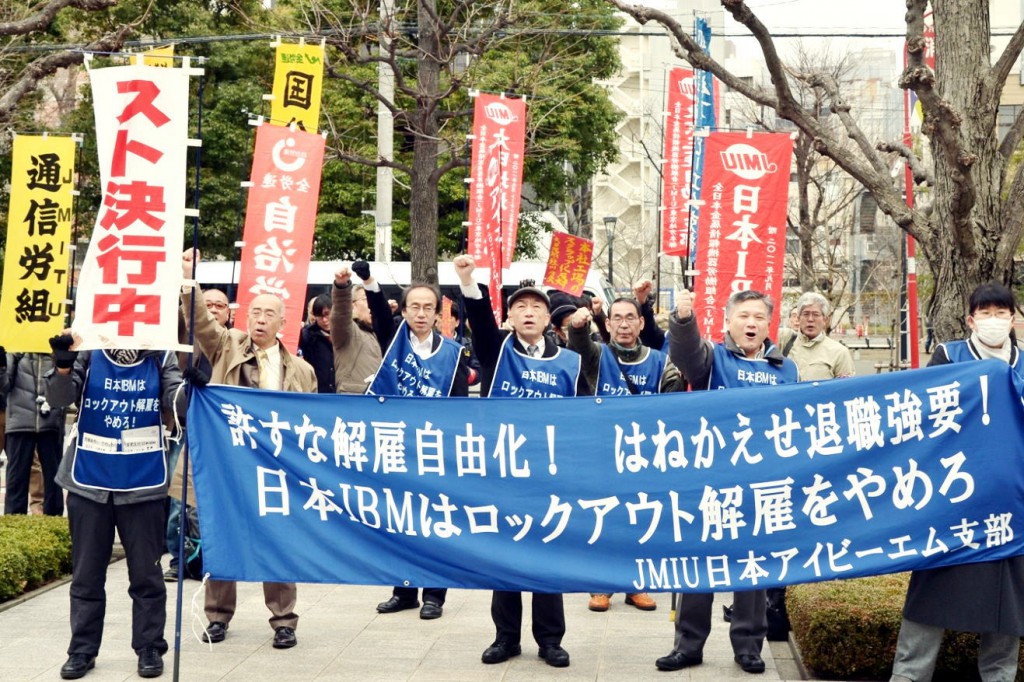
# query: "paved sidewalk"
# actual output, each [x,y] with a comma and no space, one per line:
[342,637]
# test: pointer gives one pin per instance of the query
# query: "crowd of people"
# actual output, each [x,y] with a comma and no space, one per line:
[356,341]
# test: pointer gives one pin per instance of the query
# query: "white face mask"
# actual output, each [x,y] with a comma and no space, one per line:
[993,331]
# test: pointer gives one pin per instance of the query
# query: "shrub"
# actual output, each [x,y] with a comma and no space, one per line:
[847,629]
[33,550]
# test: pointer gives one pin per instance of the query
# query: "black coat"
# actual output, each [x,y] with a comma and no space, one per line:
[982,597]
[316,349]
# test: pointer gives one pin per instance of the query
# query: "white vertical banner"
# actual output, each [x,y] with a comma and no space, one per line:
[128,288]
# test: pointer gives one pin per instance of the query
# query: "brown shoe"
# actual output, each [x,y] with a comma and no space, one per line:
[642,601]
[599,602]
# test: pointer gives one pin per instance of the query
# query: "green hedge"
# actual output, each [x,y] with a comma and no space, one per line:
[847,629]
[33,550]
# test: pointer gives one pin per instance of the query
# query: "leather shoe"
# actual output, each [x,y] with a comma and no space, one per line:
[430,610]
[396,604]
[599,602]
[499,652]
[751,663]
[77,666]
[171,574]
[642,601]
[215,632]
[677,660]
[151,664]
[284,638]
[554,656]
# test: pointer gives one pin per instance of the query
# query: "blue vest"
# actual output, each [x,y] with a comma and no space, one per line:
[960,351]
[519,376]
[731,371]
[645,374]
[403,373]
[120,441]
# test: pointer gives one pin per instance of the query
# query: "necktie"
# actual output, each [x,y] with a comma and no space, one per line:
[533,351]
[264,362]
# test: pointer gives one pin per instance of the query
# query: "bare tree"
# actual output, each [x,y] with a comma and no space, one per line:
[977,217]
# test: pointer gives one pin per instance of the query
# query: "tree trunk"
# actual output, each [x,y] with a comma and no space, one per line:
[424,180]
[805,226]
[962,244]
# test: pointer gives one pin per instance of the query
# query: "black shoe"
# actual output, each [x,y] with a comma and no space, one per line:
[554,656]
[499,652]
[151,664]
[751,663]
[77,666]
[677,660]
[396,604]
[171,574]
[215,632]
[727,613]
[430,610]
[284,638]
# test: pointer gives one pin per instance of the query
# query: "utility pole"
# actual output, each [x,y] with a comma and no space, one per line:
[385,137]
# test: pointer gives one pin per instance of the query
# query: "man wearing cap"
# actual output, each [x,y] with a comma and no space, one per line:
[623,366]
[419,362]
[746,357]
[508,360]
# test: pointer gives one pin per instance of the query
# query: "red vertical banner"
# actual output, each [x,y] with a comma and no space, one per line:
[496,180]
[280,218]
[677,164]
[568,263]
[743,223]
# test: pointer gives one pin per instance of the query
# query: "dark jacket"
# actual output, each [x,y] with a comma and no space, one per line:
[694,356]
[488,339]
[23,384]
[590,351]
[315,348]
[982,597]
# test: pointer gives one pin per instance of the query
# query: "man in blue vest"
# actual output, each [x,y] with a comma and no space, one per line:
[116,472]
[623,366]
[521,364]
[419,362]
[745,358]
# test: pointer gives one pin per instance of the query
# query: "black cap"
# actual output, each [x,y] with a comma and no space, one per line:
[562,305]
[529,291]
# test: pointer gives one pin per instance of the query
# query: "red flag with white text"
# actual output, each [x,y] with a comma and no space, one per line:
[677,166]
[280,218]
[496,180]
[742,224]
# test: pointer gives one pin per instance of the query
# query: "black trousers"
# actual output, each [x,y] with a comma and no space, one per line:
[548,617]
[431,594]
[21,447]
[141,529]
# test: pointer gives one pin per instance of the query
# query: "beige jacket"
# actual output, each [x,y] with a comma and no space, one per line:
[357,354]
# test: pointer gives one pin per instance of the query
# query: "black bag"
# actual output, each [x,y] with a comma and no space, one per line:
[193,545]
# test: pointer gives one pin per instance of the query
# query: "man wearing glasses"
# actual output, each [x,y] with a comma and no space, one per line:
[818,356]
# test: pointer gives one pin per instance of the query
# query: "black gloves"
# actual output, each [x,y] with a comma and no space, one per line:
[63,356]
[196,376]
[361,268]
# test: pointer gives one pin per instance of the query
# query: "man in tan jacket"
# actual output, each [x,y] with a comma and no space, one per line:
[357,350]
[256,360]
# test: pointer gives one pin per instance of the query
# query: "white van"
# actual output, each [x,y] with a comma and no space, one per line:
[395,276]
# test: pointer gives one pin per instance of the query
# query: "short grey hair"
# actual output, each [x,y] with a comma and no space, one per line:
[749,295]
[813,298]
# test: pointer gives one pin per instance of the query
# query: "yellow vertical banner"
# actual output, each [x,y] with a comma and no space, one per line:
[298,83]
[159,56]
[36,262]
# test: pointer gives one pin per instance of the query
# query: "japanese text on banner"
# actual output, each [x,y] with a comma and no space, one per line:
[568,263]
[298,83]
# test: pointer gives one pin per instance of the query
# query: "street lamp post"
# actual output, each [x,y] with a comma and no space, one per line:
[609,228]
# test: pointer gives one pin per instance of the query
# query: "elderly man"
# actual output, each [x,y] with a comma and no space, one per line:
[357,349]
[257,360]
[622,367]
[746,357]
[420,362]
[818,357]
[112,487]
[509,360]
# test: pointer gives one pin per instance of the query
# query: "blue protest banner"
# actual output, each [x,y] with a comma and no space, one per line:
[717,490]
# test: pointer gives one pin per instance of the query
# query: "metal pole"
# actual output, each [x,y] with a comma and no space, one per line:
[385,138]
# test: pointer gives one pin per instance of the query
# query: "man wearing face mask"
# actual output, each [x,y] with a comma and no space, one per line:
[983,597]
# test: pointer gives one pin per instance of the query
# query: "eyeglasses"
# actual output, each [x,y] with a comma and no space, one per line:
[417,308]
[619,319]
[216,304]
[811,315]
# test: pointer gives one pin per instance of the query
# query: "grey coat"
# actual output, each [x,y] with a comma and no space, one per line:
[65,389]
[24,383]
[983,597]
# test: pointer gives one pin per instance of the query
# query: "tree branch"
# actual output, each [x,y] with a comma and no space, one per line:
[842,110]
[922,174]
[997,76]
[44,17]
[1013,137]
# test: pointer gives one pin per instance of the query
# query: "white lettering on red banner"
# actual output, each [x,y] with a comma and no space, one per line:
[677,169]
[280,218]
[743,224]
